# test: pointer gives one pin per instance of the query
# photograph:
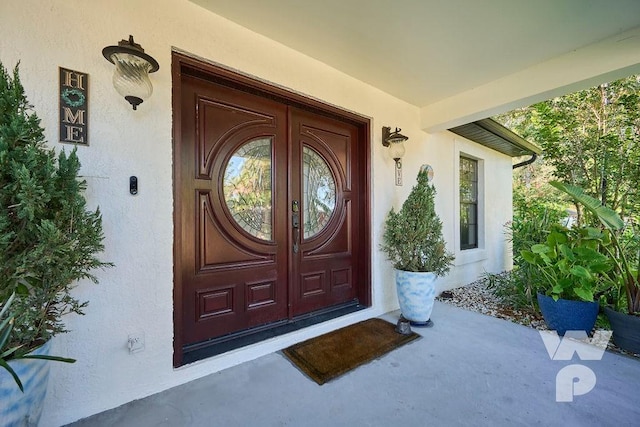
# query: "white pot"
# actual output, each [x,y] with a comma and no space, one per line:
[416,294]
[24,409]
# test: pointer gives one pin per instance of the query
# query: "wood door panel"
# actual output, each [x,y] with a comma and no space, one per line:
[313,283]
[213,302]
[337,143]
[231,280]
[230,299]
[219,122]
[324,279]
[227,252]
[336,241]
[331,249]
[260,294]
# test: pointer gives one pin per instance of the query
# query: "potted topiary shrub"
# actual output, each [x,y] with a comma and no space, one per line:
[571,274]
[414,243]
[48,241]
[624,315]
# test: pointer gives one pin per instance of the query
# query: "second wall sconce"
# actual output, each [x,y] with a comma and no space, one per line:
[394,140]
[131,75]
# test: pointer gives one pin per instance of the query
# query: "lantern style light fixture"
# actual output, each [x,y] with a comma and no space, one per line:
[394,140]
[132,68]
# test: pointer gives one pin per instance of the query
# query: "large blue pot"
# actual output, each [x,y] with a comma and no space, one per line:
[416,294]
[567,315]
[24,409]
[626,330]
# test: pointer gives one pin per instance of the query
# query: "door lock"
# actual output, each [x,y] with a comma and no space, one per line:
[295,224]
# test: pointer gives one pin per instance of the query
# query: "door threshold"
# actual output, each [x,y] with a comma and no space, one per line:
[213,347]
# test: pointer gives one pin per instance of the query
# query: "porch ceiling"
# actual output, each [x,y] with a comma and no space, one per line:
[433,52]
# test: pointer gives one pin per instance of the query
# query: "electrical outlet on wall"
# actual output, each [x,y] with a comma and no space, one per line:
[135,342]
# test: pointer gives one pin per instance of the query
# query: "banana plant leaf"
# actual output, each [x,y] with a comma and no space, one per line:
[607,216]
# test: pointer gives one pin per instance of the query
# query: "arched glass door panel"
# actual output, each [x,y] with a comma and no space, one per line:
[319,192]
[247,188]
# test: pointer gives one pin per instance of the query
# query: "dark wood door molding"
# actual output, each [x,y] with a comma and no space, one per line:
[224,279]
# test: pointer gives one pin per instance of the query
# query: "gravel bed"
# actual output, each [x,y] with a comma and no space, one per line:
[476,297]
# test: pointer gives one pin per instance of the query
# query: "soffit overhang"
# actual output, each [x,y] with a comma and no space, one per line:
[493,135]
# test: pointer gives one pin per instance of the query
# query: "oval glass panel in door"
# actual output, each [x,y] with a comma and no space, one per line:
[247,188]
[319,192]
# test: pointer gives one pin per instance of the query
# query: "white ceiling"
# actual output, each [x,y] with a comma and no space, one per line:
[424,51]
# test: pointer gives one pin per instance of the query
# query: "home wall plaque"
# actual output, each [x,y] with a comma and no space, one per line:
[74,103]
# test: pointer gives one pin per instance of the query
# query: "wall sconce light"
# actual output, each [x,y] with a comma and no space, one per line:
[394,140]
[131,75]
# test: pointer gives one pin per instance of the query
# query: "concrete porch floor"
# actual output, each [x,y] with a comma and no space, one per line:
[468,370]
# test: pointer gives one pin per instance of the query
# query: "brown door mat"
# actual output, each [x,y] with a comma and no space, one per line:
[335,353]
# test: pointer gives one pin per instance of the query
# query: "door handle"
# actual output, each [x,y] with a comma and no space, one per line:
[295,224]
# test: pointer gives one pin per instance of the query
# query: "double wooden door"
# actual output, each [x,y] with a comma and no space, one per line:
[267,198]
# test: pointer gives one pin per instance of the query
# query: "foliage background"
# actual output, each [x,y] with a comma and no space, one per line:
[591,139]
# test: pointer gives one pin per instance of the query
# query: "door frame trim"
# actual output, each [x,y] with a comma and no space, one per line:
[182,63]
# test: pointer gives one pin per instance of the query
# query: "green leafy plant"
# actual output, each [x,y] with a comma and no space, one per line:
[11,353]
[569,264]
[48,237]
[512,289]
[533,217]
[617,252]
[412,238]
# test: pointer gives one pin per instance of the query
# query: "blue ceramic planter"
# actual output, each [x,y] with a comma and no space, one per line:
[24,409]
[416,294]
[567,315]
[626,330]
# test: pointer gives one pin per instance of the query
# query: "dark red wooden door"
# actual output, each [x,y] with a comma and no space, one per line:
[234,270]
[265,196]
[322,163]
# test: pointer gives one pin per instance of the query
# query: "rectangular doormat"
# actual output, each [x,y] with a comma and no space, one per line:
[330,355]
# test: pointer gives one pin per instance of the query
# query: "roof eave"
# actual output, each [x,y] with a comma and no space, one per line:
[492,134]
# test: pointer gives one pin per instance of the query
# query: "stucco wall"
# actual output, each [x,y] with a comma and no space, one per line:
[136,295]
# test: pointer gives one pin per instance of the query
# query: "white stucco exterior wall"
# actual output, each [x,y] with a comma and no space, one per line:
[137,295]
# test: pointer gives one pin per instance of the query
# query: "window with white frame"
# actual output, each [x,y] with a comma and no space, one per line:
[468,203]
